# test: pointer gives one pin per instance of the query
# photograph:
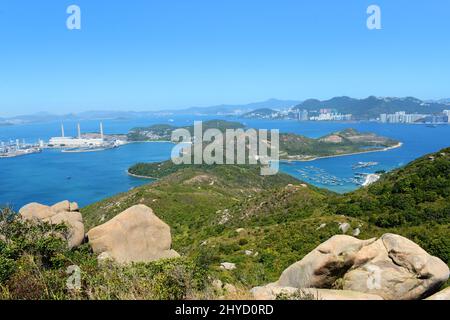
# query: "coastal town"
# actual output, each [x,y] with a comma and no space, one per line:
[332,114]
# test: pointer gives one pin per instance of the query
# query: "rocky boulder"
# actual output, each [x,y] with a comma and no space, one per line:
[396,268]
[324,265]
[135,235]
[441,295]
[228,266]
[391,267]
[60,213]
[36,211]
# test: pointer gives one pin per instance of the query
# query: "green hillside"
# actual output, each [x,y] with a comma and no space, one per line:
[413,201]
[226,213]
[188,198]
[409,196]
[282,217]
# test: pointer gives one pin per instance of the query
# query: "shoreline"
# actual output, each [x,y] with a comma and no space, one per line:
[150,141]
[140,177]
[371,178]
[398,145]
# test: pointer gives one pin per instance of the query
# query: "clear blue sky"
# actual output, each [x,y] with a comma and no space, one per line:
[156,54]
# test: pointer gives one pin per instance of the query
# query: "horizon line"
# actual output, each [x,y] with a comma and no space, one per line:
[180,108]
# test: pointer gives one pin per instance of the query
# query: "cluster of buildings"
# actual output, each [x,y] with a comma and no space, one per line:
[403,117]
[16,149]
[323,115]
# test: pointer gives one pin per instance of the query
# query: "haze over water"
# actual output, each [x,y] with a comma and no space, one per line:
[52,176]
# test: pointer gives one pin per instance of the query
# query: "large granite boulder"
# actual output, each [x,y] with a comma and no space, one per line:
[391,267]
[272,292]
[441,295]
[324,265]
[60,213]
[135,235]
[36,211]
[396,268]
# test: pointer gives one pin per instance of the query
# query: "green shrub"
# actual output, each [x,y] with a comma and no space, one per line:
[7,267]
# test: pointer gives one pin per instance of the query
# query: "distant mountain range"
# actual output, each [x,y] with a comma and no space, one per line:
[361,109]
[239,109]
[101,115]
[445,101]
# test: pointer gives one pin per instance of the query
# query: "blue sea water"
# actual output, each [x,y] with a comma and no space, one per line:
[52,176]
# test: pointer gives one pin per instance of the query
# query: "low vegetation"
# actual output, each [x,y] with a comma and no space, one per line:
[35,263]
[227,214]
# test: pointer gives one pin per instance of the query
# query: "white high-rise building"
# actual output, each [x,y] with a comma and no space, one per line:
[303,115]
[447,113]
[401,117]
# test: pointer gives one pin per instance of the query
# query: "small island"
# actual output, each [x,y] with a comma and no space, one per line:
[263,113]
[293,147]
[163,132]
[347,142]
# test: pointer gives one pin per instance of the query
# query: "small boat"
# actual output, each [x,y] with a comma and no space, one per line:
[360,165]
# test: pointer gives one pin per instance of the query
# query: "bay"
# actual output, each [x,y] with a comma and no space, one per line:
[52,176]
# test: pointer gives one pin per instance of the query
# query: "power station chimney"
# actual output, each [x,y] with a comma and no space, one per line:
[62,130]
[101,130]
[79,131]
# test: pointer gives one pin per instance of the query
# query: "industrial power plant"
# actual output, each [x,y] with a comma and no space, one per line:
[84,143]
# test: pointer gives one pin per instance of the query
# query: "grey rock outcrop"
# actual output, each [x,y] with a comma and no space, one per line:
[344,227]
[228,266]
